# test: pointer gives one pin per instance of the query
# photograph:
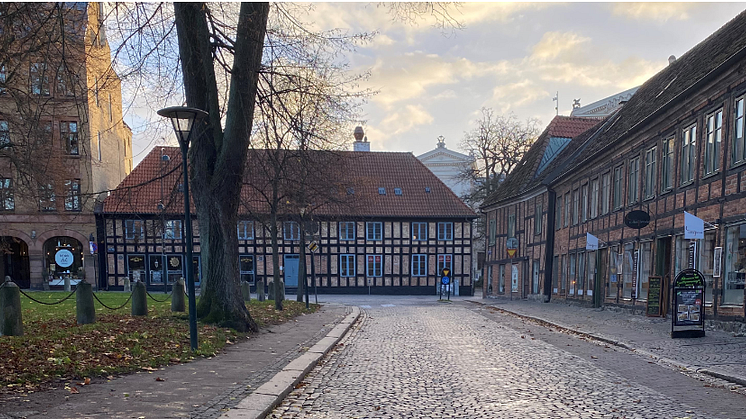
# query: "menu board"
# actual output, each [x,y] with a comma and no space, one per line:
[654,296]
[688,307]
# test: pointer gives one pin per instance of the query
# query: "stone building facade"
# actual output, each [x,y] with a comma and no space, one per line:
[677,145]
[63,143]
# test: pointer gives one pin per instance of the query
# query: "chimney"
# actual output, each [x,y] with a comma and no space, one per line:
[671,59]
[361,141]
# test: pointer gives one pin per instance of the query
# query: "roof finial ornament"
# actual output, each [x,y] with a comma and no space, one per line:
[556,104]
[441,141]
[576,103]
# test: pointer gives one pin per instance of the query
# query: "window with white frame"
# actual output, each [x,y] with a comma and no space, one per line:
[567,209]
[72,195]
[245,230]
[419,265]
[374,230]
[575,206]
[419,231]
[7,200]
[651,174]
[739,140]
[445,231]
[290,230]
[618,181]
[374,265]
[713,139]
[668,169]
[558,213]
[493,232]
[172,229]
[445,261]
[538,216]
[633,181]
[511,225]
[134,229]
[584,203]
[347,230]
[688,153]
[346,265]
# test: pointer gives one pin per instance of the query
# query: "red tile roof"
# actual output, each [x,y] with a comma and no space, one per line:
[570,126]
[351,188]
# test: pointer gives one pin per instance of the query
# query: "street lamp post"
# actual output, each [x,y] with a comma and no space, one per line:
[183,119]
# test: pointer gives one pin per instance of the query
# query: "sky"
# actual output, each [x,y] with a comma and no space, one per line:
[511,57]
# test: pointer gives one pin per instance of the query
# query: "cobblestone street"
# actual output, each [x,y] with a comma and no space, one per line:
[425,359]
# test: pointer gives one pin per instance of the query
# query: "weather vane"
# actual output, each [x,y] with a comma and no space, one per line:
[576,103]
[556,101]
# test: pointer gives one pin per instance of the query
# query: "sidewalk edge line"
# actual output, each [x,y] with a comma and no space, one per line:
[260,412]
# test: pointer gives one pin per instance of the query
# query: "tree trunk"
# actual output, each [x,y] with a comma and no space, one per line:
[217,158]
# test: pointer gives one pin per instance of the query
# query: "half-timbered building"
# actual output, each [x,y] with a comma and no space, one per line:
[677,145]
[383,223]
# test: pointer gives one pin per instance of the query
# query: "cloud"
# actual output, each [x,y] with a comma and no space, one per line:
[660,12]
[404,120]
[555,44]
[507,97]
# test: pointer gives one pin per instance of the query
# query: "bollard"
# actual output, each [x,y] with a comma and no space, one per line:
[67,283]
[271,290]
[84,308]
[11,323]
[246,290]
[177,296]
[127,286]
[139,300]
[260,295]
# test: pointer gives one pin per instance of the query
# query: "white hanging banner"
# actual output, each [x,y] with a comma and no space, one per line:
[694,227]
[591,242]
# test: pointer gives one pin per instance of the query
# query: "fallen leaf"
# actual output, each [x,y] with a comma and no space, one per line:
[159,379]
[74,390]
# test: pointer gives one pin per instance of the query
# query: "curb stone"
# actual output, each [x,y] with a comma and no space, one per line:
[735,379]
[260,403]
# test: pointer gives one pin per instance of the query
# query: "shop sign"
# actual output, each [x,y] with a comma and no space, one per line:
[64,258]
[692,254]
[694,227]
[637,219]
[688,305]
[591,242]
[653,308]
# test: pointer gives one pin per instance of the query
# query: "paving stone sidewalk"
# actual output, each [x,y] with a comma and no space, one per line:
[202,389]
[719,354]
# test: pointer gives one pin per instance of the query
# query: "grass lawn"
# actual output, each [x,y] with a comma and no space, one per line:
[54,348]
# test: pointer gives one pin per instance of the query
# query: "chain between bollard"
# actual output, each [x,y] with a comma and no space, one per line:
[112,308]
[160,301]
[42,302]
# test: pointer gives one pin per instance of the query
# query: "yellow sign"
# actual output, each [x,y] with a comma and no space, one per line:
[511,252]
[313,246]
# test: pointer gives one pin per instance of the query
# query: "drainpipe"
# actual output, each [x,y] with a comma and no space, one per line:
[549,254]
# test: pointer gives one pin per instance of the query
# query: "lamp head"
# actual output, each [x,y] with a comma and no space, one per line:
[182,118]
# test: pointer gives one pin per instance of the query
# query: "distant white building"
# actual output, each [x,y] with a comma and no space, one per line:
[604,107]
[447,165]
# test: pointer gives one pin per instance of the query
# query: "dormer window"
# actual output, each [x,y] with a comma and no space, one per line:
[381,191]
[350,191]
[397,191]
[427,189]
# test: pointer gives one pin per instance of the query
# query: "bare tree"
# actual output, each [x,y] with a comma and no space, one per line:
[498,144]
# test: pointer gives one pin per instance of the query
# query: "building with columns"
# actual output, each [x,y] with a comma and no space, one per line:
[447,165]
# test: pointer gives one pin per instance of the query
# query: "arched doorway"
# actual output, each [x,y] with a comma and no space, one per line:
[14,261]
[63,257]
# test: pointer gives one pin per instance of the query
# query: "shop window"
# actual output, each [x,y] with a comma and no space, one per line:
[501,280]
[555,275]
[580,274]
[707,263]
[563,281]
[535,282]
[644,269]
[628,270]
[246,267]
[63,258]
[615,270]
[573,266]
[735,265]
[591,271]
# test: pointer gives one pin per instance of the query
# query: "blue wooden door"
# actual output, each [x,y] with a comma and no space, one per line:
[291,270]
